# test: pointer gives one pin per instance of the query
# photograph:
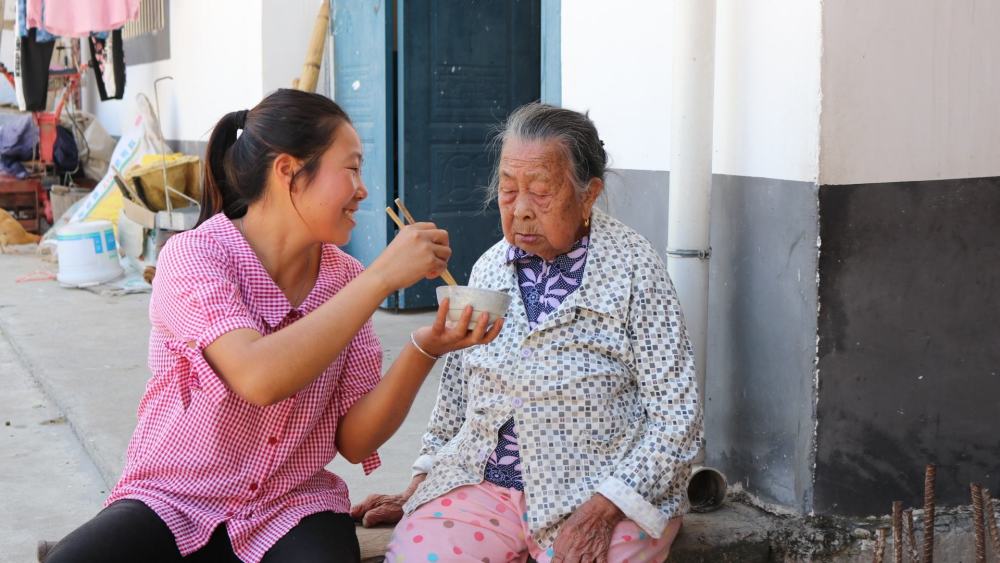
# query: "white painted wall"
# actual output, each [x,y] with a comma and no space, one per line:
[911,90]
[225,55]
[616,64]
[616,60]
[287,26]
[767,88]
[215,58]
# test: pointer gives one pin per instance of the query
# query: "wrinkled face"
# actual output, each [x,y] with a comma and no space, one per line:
[328,201]
[540,210]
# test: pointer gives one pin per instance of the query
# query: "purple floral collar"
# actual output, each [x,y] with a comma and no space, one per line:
[543,284]
[565,262]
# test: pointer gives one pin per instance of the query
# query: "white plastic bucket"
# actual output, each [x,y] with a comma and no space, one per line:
[87,254]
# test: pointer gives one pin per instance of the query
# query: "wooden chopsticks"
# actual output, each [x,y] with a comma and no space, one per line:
[445,275]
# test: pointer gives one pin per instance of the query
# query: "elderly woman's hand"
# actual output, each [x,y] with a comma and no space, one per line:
[384,509]
[586,535]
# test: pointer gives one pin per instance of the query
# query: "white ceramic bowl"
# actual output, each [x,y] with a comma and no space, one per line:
[482,300]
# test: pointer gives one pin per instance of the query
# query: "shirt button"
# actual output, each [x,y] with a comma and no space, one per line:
[272,440]
[517,402]
[525,352]
[253,486]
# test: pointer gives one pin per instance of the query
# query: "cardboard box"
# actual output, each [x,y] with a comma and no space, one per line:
[138,214]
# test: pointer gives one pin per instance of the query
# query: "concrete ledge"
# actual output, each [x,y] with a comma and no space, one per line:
[373,543]
[734,533]
[739,533]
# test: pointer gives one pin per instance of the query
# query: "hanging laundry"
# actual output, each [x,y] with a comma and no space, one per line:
[107,58]
[75,18]
[41,36]
[31,71]
[32,53]
[38,24]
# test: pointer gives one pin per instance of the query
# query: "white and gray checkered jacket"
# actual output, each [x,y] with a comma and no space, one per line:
[603,392]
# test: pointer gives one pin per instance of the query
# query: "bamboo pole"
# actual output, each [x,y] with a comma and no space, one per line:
[314,54]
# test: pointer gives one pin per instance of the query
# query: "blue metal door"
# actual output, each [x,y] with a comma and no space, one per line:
[462,68]
[363,86]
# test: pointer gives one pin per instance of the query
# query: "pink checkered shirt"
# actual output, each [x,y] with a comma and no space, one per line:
[200,455]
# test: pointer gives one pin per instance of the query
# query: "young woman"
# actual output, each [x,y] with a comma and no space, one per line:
[264,361]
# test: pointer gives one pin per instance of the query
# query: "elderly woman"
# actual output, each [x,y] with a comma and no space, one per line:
[570,437]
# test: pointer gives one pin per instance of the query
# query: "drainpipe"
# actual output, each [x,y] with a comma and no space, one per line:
[688,251]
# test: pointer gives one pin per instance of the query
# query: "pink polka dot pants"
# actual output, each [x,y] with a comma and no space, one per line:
[487,524]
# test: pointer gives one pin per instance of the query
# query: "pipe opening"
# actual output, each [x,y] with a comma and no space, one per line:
[706,489]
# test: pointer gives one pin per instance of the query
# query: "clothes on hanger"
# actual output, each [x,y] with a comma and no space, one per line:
[42,35]
[107,58]
[74,18]
[36,36]
[31,71]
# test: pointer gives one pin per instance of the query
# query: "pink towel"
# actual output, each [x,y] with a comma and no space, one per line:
[77,18]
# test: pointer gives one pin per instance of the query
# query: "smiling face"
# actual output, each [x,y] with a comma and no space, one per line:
[328,201]
[540,210]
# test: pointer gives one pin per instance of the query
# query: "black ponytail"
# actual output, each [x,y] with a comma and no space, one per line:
[218,195]
[293,122]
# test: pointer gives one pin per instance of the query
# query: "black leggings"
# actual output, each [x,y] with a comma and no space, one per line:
[129,531]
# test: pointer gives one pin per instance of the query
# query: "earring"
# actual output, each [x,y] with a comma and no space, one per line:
[586,222]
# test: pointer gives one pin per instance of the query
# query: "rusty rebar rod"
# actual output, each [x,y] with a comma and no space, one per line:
[977,520]
[897,531]
[911,535]
[881,534]
[929,513]
[991,522]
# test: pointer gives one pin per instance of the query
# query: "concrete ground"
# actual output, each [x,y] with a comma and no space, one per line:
[49,483]
[73,368]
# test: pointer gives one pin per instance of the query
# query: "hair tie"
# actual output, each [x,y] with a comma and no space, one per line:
[241,119]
